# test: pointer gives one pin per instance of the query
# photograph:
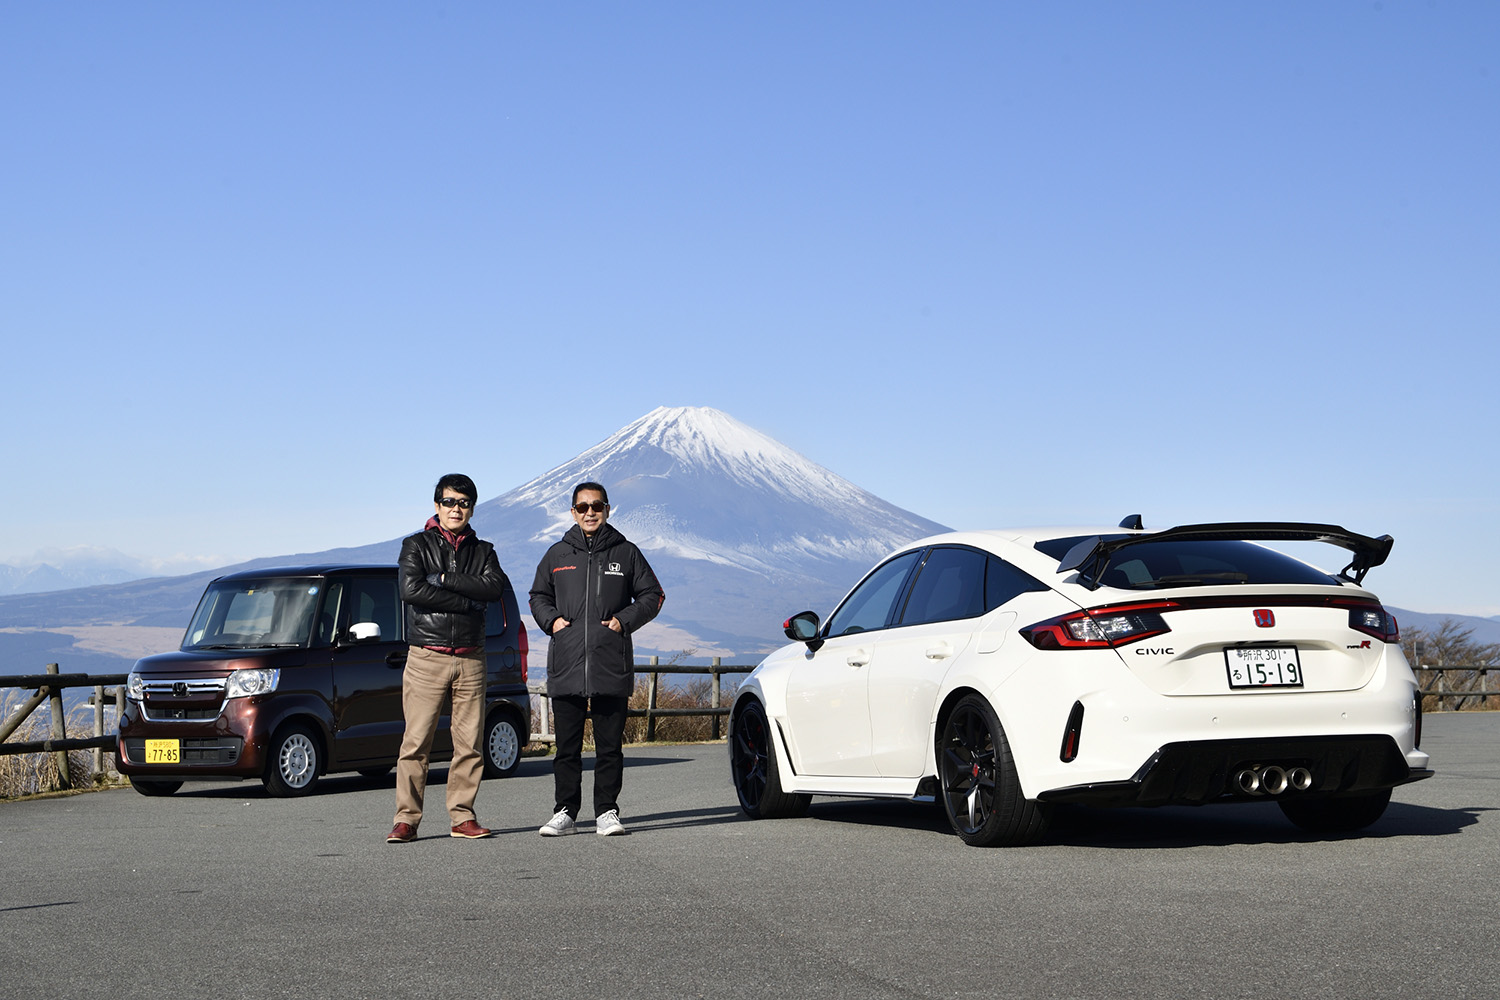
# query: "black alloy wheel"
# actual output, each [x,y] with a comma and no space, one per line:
[752,764]
[980,791]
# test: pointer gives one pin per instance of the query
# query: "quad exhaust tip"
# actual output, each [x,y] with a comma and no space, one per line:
[1271,779]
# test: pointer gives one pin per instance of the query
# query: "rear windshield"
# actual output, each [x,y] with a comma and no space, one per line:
[1189,563]
[254,614]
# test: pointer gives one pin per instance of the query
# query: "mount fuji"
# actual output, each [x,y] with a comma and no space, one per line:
[741,530]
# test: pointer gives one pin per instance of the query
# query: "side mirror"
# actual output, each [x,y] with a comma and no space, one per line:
[803,627]
[365,632]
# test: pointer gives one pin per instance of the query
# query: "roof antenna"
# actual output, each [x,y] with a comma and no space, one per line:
[1132,522]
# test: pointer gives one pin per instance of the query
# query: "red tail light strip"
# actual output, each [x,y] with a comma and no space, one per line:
[1113,625]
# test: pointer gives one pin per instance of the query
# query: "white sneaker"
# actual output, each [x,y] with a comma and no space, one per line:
[560,825]
[609,825]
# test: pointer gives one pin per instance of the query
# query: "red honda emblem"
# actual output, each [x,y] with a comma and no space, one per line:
[1264,618]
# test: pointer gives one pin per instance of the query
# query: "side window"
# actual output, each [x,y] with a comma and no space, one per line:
[1003,582]
[949,586]
[328,618]
[869,607]
[374,600]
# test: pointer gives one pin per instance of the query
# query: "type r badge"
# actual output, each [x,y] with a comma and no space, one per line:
[1264,618]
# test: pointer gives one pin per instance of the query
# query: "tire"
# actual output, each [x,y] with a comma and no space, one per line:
[980,792]
[1336,813]
[502,744]
[150,786]
[292,762]
[752,765]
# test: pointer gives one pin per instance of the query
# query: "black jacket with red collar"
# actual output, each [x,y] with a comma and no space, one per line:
[588,581]
[444,617]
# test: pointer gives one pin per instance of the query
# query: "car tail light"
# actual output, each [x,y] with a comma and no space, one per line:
[1100,628]
[524,646]
[1374,620]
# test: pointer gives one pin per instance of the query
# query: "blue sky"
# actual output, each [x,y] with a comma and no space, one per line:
[269,269]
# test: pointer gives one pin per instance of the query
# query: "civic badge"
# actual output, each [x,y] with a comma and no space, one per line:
[1264,618]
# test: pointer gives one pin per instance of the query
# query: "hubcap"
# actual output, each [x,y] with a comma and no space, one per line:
[298,761]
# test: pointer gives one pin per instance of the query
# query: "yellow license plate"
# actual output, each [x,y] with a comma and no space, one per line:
[163,752]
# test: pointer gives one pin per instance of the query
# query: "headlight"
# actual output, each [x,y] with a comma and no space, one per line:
[257,680]
[135,688]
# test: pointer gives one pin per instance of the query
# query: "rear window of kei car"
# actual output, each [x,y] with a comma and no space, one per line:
[255,614]
[1194,563]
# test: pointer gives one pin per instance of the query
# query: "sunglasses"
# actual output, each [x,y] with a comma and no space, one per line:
[463,503]
[593,505]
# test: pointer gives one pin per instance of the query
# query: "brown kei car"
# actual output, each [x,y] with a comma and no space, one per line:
[288,674]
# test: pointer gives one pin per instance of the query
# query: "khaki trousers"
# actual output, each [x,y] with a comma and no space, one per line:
[429,677]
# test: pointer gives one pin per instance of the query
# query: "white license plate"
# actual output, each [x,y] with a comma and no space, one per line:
[1263,666]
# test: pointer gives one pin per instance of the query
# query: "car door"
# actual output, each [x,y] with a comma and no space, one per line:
[828,692]
[367,673]
[950,610]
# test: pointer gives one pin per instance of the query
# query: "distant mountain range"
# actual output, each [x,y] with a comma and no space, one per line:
[84,566]
[742,531]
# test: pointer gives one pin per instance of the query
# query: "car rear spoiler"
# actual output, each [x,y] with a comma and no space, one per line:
[1093,553]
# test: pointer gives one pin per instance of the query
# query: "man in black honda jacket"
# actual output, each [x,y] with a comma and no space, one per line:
[447,576]
[592,590]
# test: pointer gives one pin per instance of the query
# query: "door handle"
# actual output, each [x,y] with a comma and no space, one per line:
[939,652]
[858,658]
[396,659]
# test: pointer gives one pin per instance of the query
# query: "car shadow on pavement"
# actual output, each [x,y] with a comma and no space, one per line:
[1231,825]
[1165,827]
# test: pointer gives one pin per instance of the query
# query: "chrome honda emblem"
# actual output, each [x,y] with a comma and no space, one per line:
[179,689]
[1264,618]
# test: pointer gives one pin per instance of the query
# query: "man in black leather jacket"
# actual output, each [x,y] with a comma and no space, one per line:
[447,576]
[592,590]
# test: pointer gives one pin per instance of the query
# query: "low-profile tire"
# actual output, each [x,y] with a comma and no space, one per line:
[752,765]
[980,792]
[376,772]
[292,762]
[153,786]
[1336,813]
[502,743]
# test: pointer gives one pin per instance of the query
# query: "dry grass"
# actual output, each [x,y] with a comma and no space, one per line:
[34,773]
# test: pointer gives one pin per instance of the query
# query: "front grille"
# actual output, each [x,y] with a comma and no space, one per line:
[165,713]
[182,699]
[206,750]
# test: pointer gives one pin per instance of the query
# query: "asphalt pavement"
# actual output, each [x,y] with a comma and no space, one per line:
[220,891]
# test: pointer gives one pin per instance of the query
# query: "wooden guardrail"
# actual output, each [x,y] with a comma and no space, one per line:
[49,687]
[714,669]
[1442,691]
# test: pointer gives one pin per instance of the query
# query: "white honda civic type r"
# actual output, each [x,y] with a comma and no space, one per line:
[1003,671]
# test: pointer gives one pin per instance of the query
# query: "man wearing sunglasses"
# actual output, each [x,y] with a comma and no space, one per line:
[447,576]
[592,590]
